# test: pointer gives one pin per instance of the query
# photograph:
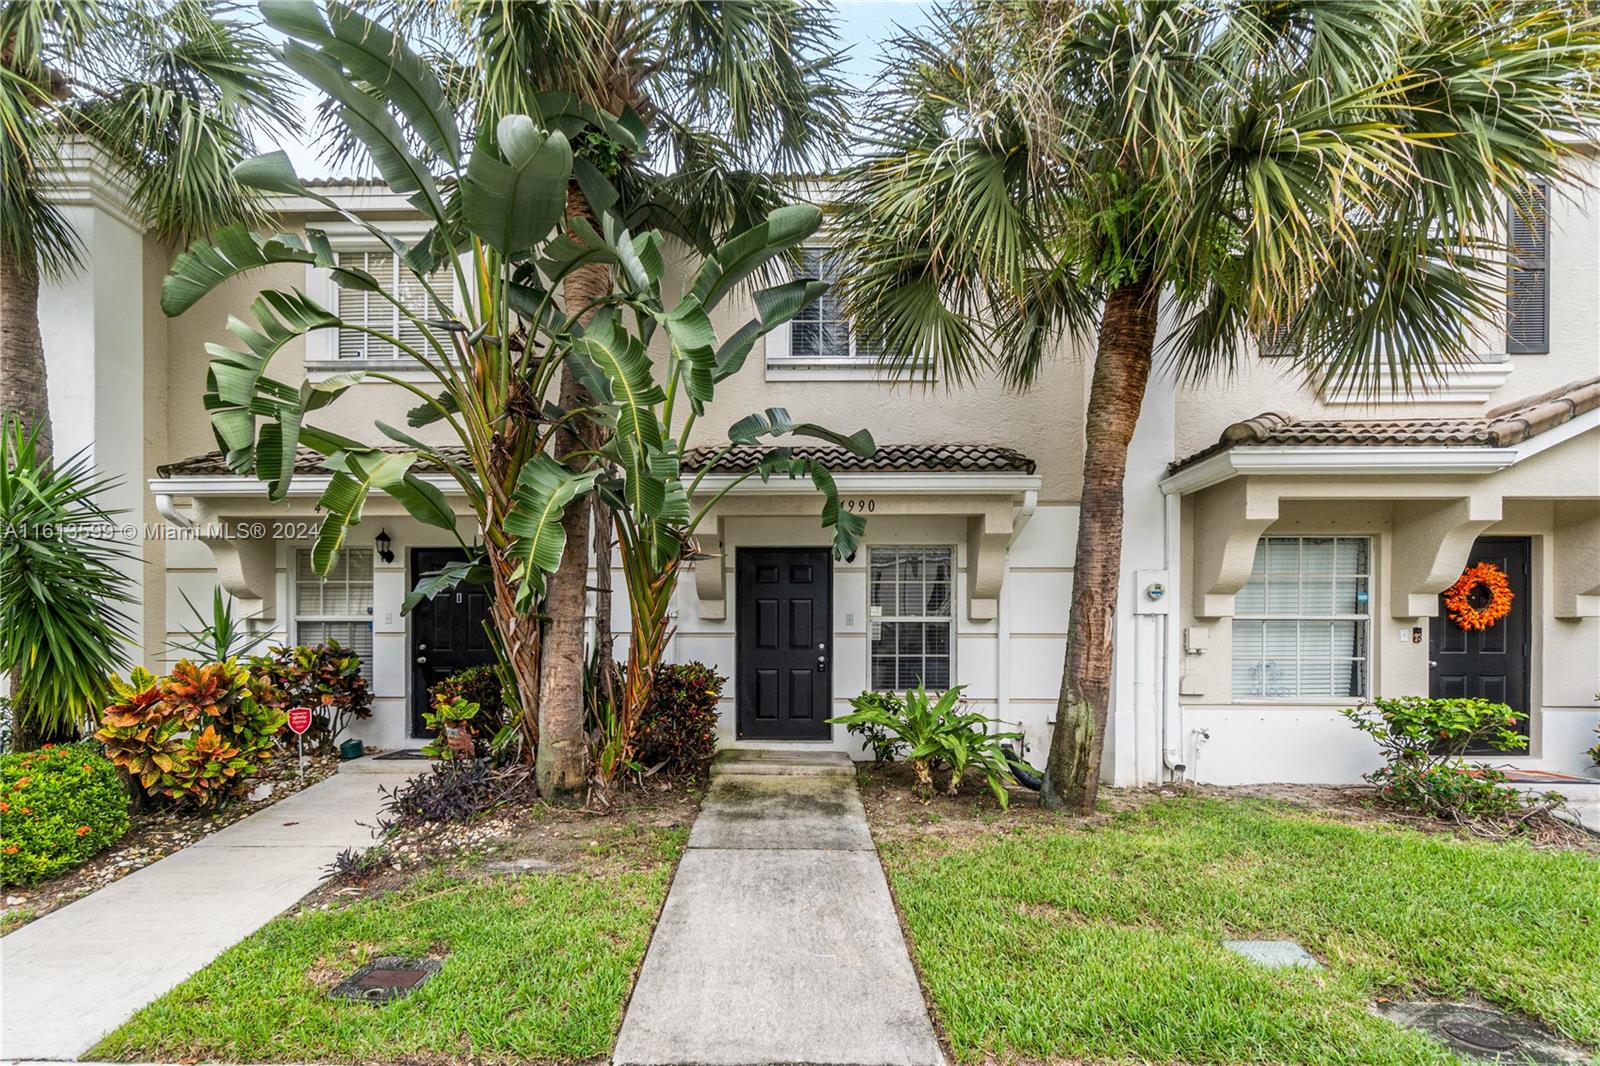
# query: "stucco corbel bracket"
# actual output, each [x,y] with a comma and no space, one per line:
[1229,521]
[1432,539]
[711,575]
[1576,559]
[988,538]
[247,569]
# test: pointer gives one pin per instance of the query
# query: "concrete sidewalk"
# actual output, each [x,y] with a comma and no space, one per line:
[778,942]
[79,972]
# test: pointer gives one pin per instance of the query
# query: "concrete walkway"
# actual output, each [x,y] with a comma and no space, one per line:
[778,942]
[79,972]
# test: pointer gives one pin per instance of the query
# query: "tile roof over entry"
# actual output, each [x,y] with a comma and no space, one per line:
[890,458]
[1501,427]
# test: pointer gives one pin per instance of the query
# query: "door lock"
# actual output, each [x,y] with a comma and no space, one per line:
[422,658]
[822,664]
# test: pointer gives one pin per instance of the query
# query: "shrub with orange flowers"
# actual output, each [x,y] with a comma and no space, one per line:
[59,806]
[196,736]
[1458,597]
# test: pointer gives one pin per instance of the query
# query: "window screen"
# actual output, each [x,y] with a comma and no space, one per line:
[1300,626]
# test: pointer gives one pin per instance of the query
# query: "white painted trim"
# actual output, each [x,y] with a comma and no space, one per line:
[877,482]
[1474,382]
[86,179]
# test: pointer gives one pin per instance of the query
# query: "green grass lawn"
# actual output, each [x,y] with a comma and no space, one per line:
[1050,943]
[535,968]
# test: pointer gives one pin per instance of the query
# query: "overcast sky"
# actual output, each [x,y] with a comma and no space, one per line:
[864,27]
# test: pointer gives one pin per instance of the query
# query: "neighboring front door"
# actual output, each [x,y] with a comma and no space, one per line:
[447,632]
[1490,664]
[785,633]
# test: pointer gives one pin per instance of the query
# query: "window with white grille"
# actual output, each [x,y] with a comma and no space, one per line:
[821,333]
[912,592]
[372,310]
[1300,624]
[338,607]
[1528,274]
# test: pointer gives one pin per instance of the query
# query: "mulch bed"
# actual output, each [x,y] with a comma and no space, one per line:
[152,835]
[525,837]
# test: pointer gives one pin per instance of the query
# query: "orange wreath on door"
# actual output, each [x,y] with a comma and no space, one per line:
[1458,597]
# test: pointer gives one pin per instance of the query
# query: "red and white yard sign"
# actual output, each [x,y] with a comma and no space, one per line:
[299,719]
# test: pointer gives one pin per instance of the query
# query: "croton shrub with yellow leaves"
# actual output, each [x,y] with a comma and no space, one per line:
[195,736]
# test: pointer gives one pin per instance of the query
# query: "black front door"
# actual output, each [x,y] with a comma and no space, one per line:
[1490,664]
[447,632]
[785,626]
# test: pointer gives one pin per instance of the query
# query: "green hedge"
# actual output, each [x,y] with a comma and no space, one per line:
[59,806]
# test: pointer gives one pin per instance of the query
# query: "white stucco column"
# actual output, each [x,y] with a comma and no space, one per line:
[92,324]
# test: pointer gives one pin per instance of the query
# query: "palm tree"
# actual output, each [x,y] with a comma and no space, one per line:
[730,98]
[167,93]
[1183,178]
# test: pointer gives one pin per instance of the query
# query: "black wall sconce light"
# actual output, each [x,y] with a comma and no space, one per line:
[382,541]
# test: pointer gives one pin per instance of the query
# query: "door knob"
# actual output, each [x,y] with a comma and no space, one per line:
[822,664]
[422,658]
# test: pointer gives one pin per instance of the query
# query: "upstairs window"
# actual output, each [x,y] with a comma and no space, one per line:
[1300,624]
[912,616]
[372,310]
[1528,273]
[338,607]
[821,333]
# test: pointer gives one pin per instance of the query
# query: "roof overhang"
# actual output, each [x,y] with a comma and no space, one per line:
[884,482]
[1367,460]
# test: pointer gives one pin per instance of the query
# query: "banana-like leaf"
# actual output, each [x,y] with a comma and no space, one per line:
[753,249]
[372,125]
[471,571]
[375,55]
[565,112]
[514,205]
[774,306]
[775,422]
[694,342]
[356,473]
[847,526]
[427,450]
[544,489]
[232,251]
[621,358]
[566,252]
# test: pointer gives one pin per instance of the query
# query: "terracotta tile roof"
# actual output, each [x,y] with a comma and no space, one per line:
[1501,427]
[891,458]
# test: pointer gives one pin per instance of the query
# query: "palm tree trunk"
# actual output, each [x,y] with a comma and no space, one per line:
[519,640]
[1121,369]
[560,767]
[24,383]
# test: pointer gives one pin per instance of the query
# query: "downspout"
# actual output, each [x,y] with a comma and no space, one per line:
[168,509]
[1171,713]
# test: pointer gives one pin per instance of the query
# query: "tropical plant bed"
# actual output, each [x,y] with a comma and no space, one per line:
[1043,938]
[155,834]
[540,917]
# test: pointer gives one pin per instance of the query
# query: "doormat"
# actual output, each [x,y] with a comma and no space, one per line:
[385,978]
[402,753]
[1480,1033]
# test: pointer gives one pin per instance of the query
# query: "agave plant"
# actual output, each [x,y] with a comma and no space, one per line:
[223,637]
[502,226]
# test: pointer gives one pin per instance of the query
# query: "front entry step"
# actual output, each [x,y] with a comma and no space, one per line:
[773,762]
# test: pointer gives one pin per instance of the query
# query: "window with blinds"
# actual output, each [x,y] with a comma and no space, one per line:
[821,333]
[338,607]
[1528,273]
[1300,625]
[373,311]
[913,620]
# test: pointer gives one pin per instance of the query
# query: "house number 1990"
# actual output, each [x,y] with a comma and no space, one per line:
[860,505]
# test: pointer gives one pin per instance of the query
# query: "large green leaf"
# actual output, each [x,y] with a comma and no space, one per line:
[356,472]
[774,306]
[375,55]
[544,489]
[623,361]
[775,422]
[514,205]
[470,571]
[232,251]
[847,526]
[748,252]
[372,125]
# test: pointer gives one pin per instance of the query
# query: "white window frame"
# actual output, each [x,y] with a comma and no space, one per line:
[322,345]
[950,618]
[783,365]
[296,618]
[1363,620]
